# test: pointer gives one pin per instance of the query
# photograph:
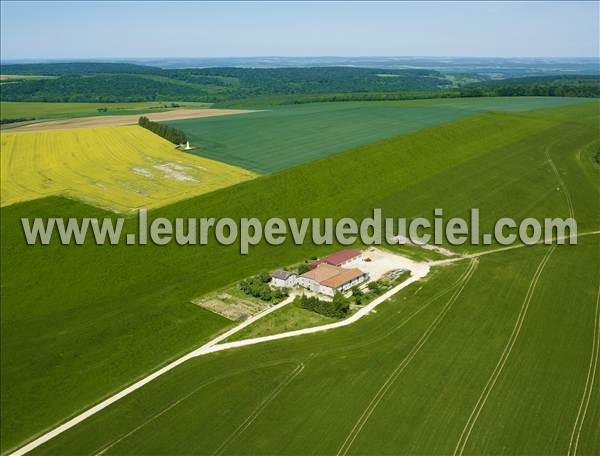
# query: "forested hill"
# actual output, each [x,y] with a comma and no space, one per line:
[76,68]
[561,86]
[125,82]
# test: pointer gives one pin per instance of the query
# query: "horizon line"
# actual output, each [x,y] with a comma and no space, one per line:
[300,57]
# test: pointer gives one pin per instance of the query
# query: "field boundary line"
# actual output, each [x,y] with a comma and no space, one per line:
[120,120]
[256,413]
[356,430]
[483,397]
[589,383]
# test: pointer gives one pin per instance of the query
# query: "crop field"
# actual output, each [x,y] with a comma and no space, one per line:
[39,110]
[120,120]
[118,168]
[288,136]
[420,371]
[435,371]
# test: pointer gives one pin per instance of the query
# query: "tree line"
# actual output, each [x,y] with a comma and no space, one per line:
[338,307]
[169,133]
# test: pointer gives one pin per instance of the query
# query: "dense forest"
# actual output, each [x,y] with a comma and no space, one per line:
[124,82]
[80,82]
[558,86]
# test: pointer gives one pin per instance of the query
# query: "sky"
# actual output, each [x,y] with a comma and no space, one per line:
[63,30]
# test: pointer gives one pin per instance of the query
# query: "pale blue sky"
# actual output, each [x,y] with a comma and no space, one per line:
[188,29]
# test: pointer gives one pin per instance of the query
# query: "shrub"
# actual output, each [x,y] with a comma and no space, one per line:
[303,268]
[280,293]
[357,294]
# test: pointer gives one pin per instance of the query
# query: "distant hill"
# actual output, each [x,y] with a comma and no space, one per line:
[75,68]
[108,82]
[126,82]
[565,86]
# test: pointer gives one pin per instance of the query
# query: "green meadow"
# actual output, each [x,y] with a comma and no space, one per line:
[282,137]
[80,322]
[404,380]
[288,318]
[39,110]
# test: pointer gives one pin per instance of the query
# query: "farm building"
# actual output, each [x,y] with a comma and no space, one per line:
[329,279]
[282,278]
[341,258]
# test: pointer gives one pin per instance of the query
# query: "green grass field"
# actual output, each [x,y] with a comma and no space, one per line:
[413,373]
[288,318]
[80,322]
[12,110]
[283,137]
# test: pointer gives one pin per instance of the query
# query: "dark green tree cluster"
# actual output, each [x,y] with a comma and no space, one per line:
[545,86]
[76,68]
[102,88]
[15,120]
[302,268]
[169,133]
[336,308]
[358,295]
[258,287]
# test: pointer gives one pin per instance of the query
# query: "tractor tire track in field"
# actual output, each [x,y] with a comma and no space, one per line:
[363,419]
[589,382]
[202,385]
[380,337]
[563,186]
[252,417]
[489,386]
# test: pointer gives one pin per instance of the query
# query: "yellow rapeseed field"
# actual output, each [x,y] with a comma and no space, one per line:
[117,168]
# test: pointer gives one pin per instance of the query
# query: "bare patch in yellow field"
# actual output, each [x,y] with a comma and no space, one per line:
[117,168]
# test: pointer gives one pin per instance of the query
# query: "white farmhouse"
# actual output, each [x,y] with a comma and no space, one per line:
[283,279]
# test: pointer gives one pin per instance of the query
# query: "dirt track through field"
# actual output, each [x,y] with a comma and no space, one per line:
[364,418]
[589,383]
[489,386]
[216,345]
[128,119]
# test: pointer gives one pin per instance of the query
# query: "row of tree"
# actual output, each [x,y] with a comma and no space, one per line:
[169,133]
[336,308]
[15,119]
